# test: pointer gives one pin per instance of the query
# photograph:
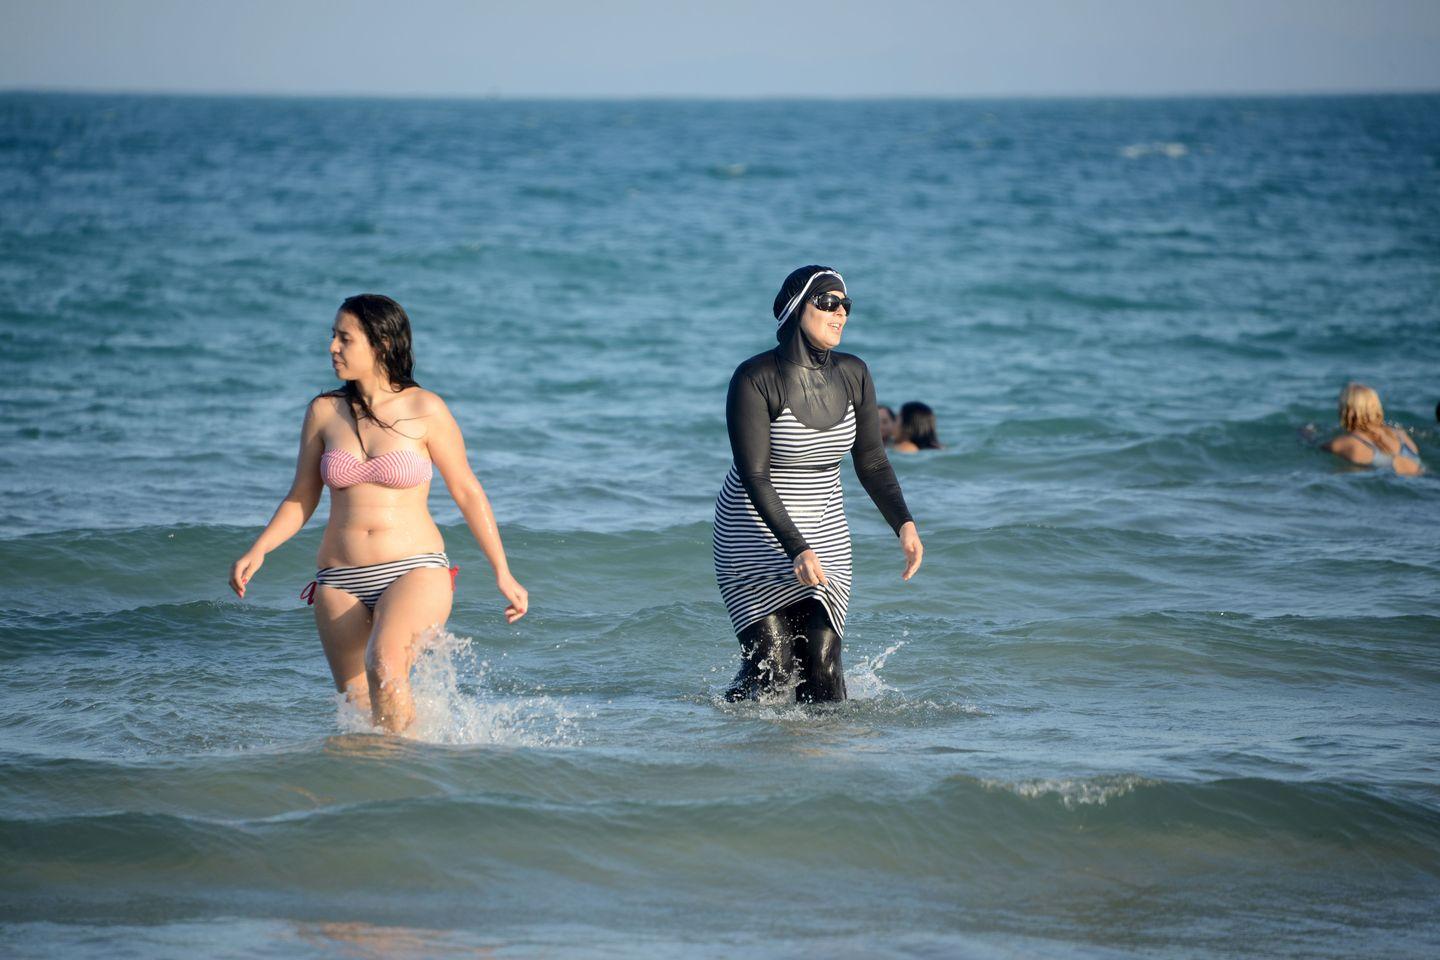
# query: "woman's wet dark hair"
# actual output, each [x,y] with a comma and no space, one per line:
[387,328]
[917,424]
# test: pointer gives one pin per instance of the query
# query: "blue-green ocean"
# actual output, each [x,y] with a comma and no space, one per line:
[1168,682]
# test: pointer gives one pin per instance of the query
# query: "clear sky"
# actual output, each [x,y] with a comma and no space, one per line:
[722,48]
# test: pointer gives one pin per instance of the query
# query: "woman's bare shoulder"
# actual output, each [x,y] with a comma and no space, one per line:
[1344,445]
[425,403]
[323,407]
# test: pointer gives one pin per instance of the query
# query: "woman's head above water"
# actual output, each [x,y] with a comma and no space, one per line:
[1359,408]
[371,339]
[889,424]
[813,299]
[917,425]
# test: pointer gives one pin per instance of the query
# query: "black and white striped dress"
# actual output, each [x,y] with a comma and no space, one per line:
[756,577]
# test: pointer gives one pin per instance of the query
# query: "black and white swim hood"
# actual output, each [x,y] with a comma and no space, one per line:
[802,283]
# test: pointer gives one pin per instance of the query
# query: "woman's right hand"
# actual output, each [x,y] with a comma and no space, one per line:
[808,570]
[244,569]
[519,599]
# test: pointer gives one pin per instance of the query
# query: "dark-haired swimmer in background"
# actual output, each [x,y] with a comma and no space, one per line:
[384,579]
[1368,440]
[782,545]
[889,424]
[917,429]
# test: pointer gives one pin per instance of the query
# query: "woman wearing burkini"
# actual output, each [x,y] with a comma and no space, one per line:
[384,579]
[782,546]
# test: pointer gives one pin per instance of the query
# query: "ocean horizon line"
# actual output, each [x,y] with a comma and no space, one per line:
[890,97]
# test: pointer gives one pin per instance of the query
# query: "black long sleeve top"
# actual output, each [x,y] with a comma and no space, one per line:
[816,385]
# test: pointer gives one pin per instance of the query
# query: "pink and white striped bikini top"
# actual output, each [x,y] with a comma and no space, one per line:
[398,468]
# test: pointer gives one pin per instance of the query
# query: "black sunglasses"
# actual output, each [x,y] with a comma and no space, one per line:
[828,302]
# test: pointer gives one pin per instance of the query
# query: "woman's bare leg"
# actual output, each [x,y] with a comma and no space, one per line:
[344,625]
[411,606]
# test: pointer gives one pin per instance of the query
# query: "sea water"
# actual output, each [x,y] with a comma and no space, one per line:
[1166,685]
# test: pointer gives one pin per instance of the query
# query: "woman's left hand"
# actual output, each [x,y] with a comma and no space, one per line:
[914,549]
[511,590]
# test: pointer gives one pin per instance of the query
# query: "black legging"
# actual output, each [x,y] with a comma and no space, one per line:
[793,647]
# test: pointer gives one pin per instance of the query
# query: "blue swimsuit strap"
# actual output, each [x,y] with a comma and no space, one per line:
[1381,458]
[1378,457]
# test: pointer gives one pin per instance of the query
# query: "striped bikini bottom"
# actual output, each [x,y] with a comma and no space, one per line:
[369,582]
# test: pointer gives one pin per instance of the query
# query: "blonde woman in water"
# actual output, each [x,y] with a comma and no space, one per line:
[1368,440]
[384,579]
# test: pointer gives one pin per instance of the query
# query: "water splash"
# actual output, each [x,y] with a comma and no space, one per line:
[863,682]
[452,707]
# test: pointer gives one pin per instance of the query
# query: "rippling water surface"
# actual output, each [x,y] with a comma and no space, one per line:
[1167,682]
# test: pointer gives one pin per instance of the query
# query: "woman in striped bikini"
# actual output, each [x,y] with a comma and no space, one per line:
[384,579]
[782,546]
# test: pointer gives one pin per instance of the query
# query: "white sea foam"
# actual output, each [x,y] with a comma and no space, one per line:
[1157,148]
[452,707]
[1073,793]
